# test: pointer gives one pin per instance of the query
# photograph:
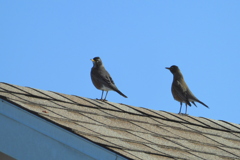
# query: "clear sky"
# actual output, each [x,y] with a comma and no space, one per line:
[48,45]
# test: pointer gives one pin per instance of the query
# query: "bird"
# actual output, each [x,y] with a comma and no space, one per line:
[180,90]
[102,79]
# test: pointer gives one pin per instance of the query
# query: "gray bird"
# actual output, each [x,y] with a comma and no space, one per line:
[180,90]
[102,79]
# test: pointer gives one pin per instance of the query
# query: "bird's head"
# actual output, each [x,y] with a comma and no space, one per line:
[173,69]
[96,61]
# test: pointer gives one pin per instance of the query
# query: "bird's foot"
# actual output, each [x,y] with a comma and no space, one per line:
[103,100]
[183,114]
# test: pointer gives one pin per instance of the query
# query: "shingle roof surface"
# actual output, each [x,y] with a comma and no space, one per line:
[134,132]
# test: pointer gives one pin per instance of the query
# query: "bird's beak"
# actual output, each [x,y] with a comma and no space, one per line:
[92,60]
[167,68]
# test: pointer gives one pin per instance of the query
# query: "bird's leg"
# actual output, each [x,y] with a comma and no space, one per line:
[186,109]
[105,96]
[102,96]
[180,108]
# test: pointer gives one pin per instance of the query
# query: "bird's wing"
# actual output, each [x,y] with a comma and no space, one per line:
[181,90]
[104,78]
[108,79]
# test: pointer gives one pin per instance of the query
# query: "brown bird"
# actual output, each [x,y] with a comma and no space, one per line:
[102,79]
[180,90]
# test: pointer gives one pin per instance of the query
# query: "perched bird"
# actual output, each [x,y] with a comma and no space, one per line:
[102,79]
[180,90]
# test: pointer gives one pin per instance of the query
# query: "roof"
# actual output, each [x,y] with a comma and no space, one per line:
[133,132]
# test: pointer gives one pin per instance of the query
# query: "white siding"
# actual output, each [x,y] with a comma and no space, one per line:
[25,136]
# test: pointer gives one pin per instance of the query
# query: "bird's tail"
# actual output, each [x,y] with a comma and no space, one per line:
[202,103]
[119,92]
[194,103]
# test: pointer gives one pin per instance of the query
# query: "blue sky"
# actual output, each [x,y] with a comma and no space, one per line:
[48,45]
